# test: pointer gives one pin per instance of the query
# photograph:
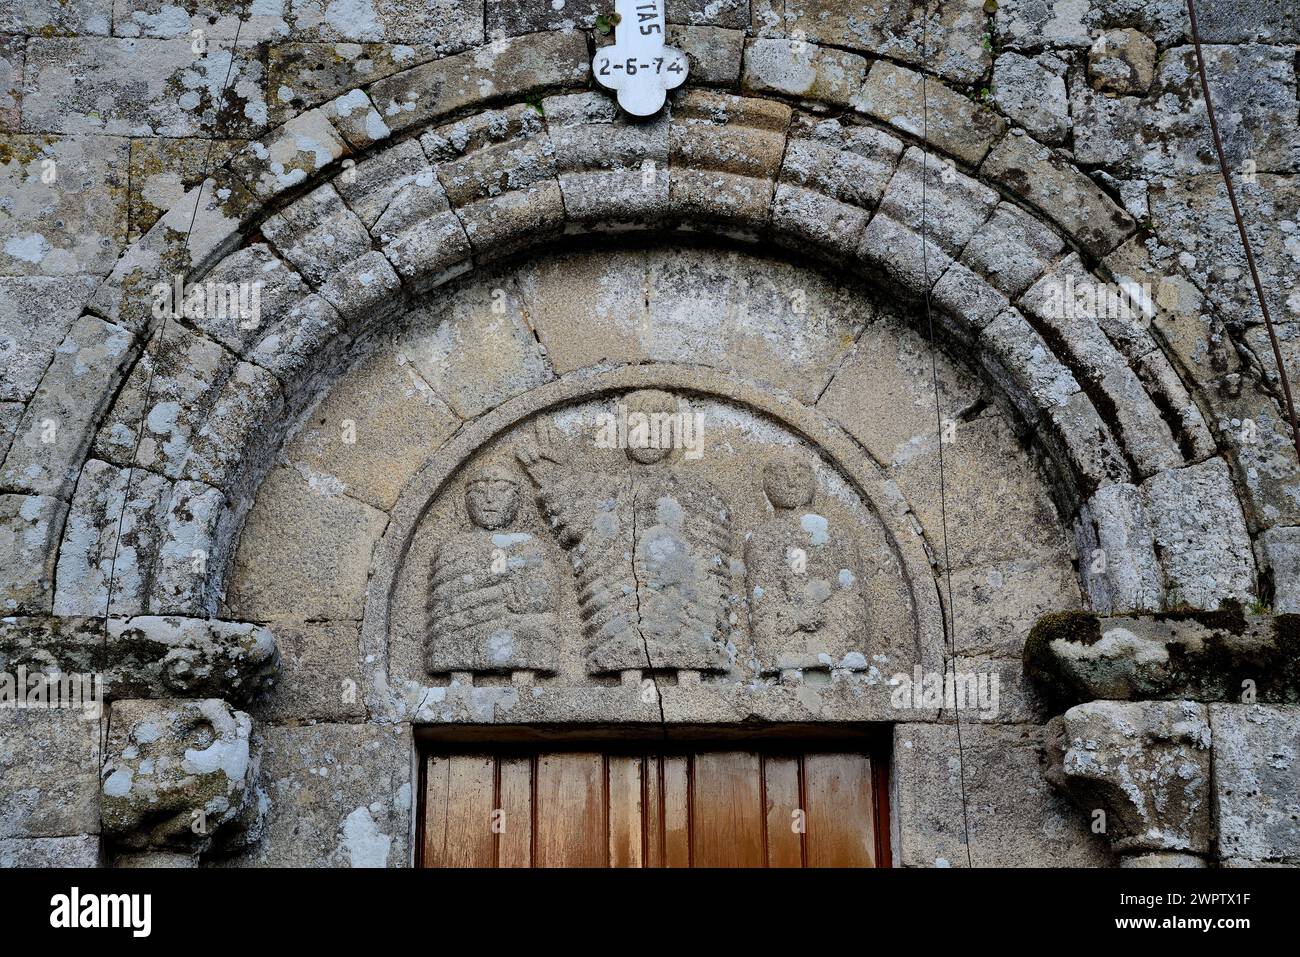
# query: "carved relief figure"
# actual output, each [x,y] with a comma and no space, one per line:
[492,597]
[651,549]
[803,575]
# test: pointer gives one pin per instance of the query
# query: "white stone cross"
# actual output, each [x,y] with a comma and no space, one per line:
[638,65]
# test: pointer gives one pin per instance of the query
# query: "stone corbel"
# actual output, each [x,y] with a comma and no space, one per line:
[178,780]
[1140,771]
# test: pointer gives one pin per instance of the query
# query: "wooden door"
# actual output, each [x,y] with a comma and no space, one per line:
[706,808]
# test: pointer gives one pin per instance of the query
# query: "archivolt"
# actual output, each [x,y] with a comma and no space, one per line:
[346,222]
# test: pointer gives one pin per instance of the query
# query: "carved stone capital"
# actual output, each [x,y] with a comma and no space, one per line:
[1145,764]
[177,774]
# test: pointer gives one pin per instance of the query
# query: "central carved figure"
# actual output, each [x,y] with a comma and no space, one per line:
[652,551]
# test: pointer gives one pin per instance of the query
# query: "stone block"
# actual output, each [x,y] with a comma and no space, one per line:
[1257,781]
[304,553]
[1060,191]
[502,69]
[1281,552]
[804,70]
[371,433]
[894,250]
[289,154]
[12,54]
[995,606]
[218,19]
[337,795]
[956,205]
[163,170]
[952,122]
[1117,552]
[318,234]
[1011,249]
[713,53]
[1032,93]
[442,24]
[49,762]
[1016,818]
[1200,535]
[1122,62]
[66,204]
[153,656]
[322,674]
[233,436]
[110,542]
[189,537]
[370,185]
[36,312]
[29,529]
[364,292]
[138,87]
[80,851]
[356,119]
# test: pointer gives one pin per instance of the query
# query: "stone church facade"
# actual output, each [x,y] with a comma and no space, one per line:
[372,489]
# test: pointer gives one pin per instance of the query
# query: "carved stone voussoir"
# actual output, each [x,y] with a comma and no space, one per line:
[1139,770]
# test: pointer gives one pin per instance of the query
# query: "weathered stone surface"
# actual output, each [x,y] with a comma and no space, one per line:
[1011,250]
[1200,535]
[995,606]
[66,204]
[321,678]
[913,263]
[129,87]
[956,205]
[725,152]
[175,772]
[442,24]
[179,374]
[1034,24]
[1032,93]
[36,312]
[371,433]
[80,851]
[804,70]
[1117,551]
[370,185]
[110,543]
[29,527]
[337,796]
[303,75]
[1145,764]
[1257,781]
[473,380]
[612,172]
[1210,656]
[49,760]
[970,302]
[1122,62]
[318,234]
[1015,817]
[421,236]
[713,53]
[229,440]
[951,122]
[12,53]
[79,17]
[289,154]
[503,68]
[10,415]
[1060,191]
[163,170]
[357,119]
[217,19]
[883,395]
[1281,550]
[304,553]
[365,292]
[954,46]
[159,656]
[832,175]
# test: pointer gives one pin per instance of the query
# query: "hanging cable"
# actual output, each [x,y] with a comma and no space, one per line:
[162,329]
[949,624]
[1241,229]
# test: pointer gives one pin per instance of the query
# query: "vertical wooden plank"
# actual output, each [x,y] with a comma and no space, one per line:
[653,811]
[458,811]
[437,787]
[781,786]
[841,812]
[515,793]
[675,795]
[727,810]
[625,817]
[571,815]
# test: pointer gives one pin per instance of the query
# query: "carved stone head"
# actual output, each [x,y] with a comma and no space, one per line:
[788,482]
[492,497]
[649,403]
